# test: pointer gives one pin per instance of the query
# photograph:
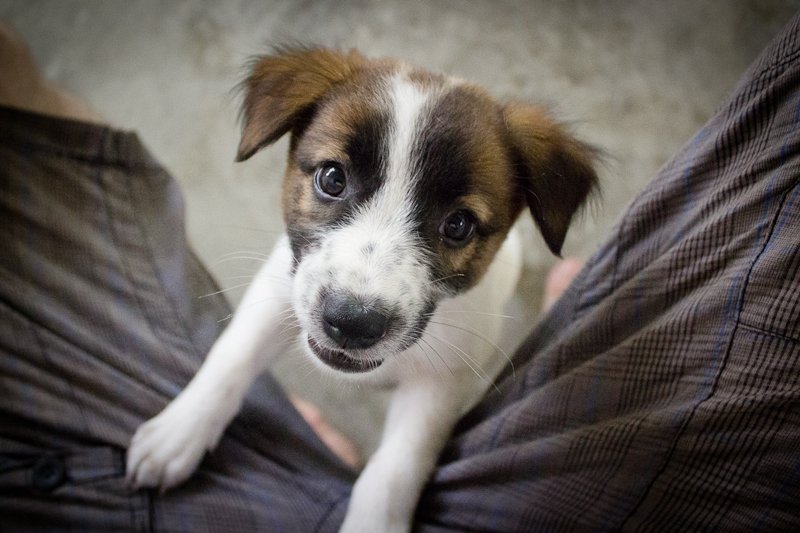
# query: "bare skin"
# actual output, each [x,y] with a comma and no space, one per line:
[558,279]
[23,86]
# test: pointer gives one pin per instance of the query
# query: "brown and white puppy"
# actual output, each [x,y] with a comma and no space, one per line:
[400,192]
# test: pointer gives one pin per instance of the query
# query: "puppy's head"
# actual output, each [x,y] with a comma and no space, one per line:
[400,187]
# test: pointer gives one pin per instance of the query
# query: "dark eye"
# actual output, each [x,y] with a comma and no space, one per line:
[457,228]
[330,180]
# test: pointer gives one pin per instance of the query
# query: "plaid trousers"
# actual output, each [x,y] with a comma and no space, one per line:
[662,392]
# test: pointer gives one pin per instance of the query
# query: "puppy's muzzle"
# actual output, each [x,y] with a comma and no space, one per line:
[352,323]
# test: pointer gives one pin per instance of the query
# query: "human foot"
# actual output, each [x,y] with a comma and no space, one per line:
[558,279]
[340,445]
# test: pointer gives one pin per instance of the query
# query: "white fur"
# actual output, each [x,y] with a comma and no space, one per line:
[167,448]
[437,378]
[392,272]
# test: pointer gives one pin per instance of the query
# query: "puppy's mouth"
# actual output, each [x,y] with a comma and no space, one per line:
[340,361]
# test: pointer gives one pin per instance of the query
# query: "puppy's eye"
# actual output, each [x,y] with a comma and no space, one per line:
[457,228]
[330,180]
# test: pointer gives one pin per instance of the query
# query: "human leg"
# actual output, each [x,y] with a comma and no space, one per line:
[101,324]
[661,392]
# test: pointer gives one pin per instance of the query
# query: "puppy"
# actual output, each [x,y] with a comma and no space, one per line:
[400,192]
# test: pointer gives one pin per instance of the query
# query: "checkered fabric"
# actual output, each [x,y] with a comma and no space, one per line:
[661,393]
[101,324]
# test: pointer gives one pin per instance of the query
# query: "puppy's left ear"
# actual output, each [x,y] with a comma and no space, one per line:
[281,87]
[556,171]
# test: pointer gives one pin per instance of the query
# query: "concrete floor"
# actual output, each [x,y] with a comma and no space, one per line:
[634,78]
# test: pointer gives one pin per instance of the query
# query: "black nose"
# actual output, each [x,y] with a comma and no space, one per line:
[352,324]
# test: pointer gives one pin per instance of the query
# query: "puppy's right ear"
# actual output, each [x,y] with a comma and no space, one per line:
[283,86]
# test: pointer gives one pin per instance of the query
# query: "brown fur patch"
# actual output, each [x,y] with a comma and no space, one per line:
[347,122]
[283,85]
[473,153]
[338,117]
[480,177]
[556,170]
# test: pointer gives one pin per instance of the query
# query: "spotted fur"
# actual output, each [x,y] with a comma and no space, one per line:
[414,147]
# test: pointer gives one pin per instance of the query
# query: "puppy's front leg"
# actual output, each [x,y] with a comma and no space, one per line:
[420,417]
[166,449]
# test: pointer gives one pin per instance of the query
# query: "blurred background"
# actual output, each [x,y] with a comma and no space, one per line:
[635,78]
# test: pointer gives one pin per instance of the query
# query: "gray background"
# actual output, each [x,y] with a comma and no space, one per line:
[634,78]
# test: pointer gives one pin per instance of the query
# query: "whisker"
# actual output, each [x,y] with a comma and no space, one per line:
[484,338]
[251,304]
[241,258]
[422,339]
[279,279]
[470,312]
[245,276]
[250,228]
[239,286]
[468,360]
[286,312]
[290,327]
[458,275]
[289,322]
[244,252]
[430,362]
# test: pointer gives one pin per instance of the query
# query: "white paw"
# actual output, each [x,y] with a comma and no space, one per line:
[166,449]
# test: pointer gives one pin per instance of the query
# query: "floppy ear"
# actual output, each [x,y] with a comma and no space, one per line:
[556,170]
[283,86]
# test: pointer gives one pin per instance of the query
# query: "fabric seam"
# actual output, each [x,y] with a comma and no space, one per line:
[722,365]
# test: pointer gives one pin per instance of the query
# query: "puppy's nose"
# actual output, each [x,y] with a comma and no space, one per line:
[352,324]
